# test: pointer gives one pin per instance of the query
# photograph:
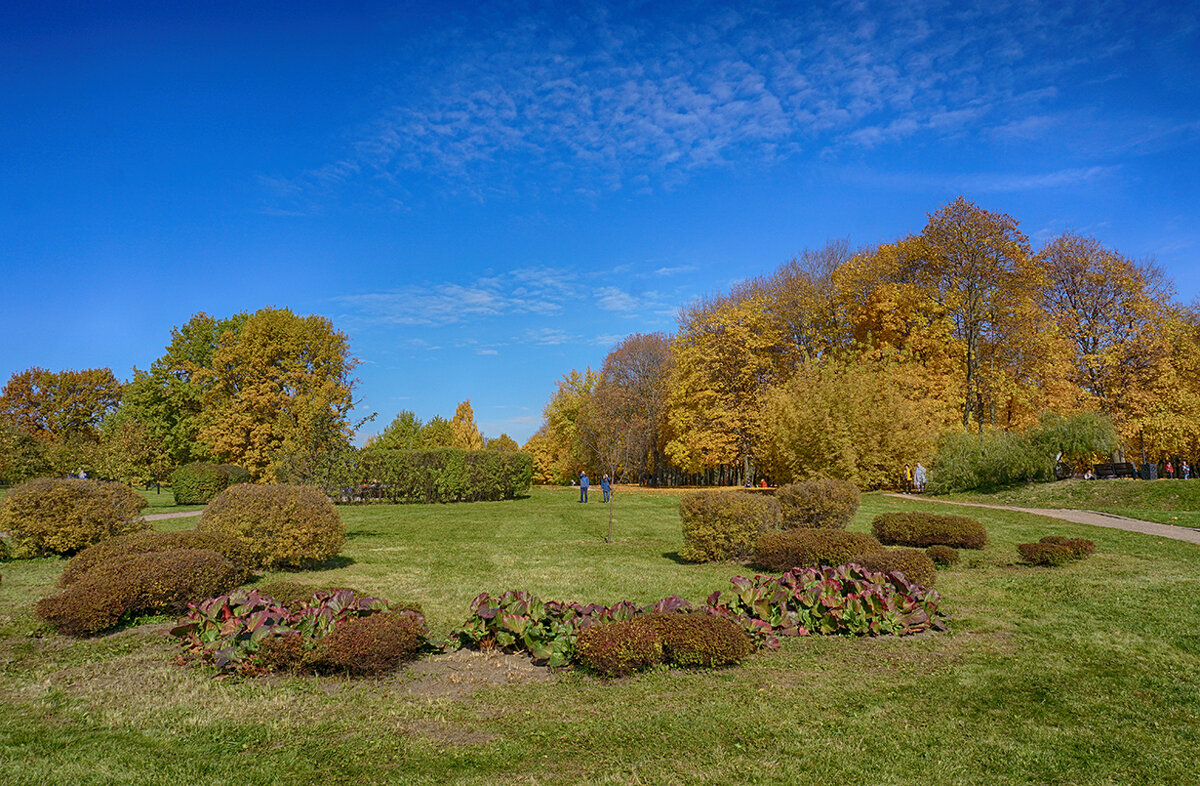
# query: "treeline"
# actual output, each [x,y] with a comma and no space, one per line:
[269,391]
[850,363]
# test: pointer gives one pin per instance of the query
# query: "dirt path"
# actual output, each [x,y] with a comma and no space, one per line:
[1092,517]
[161,516]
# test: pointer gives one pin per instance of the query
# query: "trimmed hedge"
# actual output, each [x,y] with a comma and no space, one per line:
[698,639]
[942,556]
[804,548]
[720,525]
[373,644]
[915,564]
[929,529]
[617,649]
[1047,554]
[443,475]
[155,582]
[64,515]
[277,526]
[823,503]
[1080,547]
[197,483]
[151,541]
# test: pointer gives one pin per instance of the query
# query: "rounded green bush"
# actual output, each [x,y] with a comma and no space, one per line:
[617,649]
[198,482]
[161,581]
[942,556]
[278,526]
[804,548]
[150,541]
[720,525]
[1046,554]
[64,515]
[825,503]
[697,639]
[1080,547]
[915,564]
[929,529]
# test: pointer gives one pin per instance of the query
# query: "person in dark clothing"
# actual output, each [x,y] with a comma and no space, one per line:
[605,486]
[583,486]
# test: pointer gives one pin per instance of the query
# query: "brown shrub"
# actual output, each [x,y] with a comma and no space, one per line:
[812,504]
[374,644]
[1080,547]
[720,525]
[698,640]
[803,548]
[278,526]
[64,515]
[617,649]
[284,652]
[915,564]
[942,556]
[153,582]
[929,529]
[150,541]
[1047,554]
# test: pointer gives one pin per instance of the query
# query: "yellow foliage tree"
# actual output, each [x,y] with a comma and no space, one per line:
[466,433]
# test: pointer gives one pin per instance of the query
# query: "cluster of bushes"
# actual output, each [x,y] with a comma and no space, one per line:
[1054,550]
[197,483]
[63,515]
[142,573]
[619,639]
[249,632]
[441,475]
[719,525]
[929,529]
[276,525]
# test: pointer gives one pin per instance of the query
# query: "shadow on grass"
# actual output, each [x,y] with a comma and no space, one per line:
[333,563]
[678,560]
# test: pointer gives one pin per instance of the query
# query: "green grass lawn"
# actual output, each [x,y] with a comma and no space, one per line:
[1085,674]
[1165,501]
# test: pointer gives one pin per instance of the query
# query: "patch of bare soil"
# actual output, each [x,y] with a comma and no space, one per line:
[444,734]
[463,672]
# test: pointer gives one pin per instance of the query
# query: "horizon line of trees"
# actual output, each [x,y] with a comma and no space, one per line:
[850,363]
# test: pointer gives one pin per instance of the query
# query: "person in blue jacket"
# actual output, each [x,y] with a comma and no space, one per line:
[583,486]
[605,486]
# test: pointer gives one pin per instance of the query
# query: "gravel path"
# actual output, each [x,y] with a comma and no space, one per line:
[161,516]
[1092,517]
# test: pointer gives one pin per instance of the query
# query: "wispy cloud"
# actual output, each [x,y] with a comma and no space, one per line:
[984,182]
[616,98]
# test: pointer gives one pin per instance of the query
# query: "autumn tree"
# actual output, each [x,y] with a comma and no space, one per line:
[64,406]
[403,433]
[466,433]
[437,433]
[280,385]
[570,443]
[166,399]
[628,409]
[503,443]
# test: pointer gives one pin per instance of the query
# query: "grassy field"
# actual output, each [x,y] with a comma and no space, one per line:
[1085,674]
[1165,501]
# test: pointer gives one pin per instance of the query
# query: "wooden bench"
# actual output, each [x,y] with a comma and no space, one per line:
[1121,470]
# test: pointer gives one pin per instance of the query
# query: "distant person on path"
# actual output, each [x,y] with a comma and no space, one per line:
[762,484]
[583,486]
[1170,469]
[908,479]
[919,478]
[1186,470]
[605,486]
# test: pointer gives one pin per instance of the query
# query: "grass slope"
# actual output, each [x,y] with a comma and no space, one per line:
[1165,501]
[1084,674]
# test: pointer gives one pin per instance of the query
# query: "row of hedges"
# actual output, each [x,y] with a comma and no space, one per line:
[199,482]
[440,475]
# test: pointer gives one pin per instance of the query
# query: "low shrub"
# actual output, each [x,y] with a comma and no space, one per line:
[802,548]
[374,644]
[942,556]
[151,541]
[1080,547]
[442,475]
[988,460]
[1047,554]
[5,551]
[720,525]
[698,639]
[929,529]
[824,503]
[915,564]
[848,599]
[278,526]
[197,483]
[63,515]
[619,648]
[133,584]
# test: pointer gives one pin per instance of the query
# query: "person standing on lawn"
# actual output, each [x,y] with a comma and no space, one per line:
[605,486]
[583,486]
[919,477]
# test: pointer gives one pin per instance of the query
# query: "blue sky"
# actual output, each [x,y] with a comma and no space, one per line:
[485,199]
